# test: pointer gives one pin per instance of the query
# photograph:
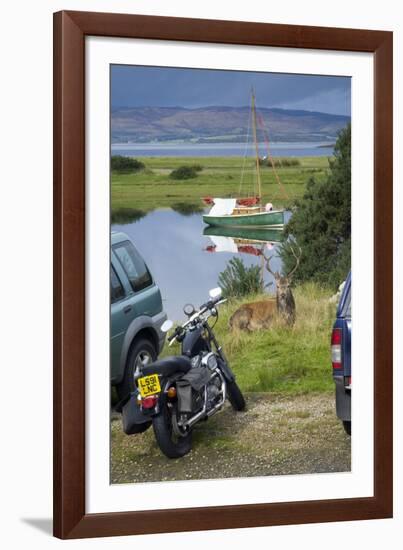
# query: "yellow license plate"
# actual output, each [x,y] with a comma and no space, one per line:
[149,385]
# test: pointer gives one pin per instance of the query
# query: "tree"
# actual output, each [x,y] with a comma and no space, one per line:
[321,223]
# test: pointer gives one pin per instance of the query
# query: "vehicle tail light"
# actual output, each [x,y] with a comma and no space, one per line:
[149,402]
[336,348]
[171,392]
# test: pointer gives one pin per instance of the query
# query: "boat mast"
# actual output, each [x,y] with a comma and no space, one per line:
[256,144]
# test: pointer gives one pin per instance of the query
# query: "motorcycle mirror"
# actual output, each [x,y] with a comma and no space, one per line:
[215,292]
[188,309]
[167,325]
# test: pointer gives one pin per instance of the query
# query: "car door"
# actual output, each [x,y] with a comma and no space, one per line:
[144,297]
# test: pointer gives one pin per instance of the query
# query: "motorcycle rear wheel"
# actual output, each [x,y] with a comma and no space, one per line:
[235,396]
[171,444]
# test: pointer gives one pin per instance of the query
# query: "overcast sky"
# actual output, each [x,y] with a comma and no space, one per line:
[133,86]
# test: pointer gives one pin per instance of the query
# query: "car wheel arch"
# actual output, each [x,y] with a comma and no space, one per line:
[136,328]
[146,333]
[141,345]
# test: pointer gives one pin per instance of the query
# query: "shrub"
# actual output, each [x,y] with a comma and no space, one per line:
[238,280]
[183,173]
[289,162]
[126,164]
[281,162]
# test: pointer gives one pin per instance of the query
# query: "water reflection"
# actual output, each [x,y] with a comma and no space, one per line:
[187,208]
[176,249]
[243,236]
[124,216]
[256,242]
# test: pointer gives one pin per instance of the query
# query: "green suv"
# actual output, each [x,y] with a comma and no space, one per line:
[136,314]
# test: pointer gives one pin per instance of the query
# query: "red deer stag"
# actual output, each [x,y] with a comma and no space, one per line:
[259,315]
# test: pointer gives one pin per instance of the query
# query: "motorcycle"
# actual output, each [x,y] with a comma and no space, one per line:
[178,392]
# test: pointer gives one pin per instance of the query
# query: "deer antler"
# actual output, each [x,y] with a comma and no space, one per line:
[268,258]
[298,258]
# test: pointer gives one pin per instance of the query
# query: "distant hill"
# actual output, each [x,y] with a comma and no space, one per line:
[220,124]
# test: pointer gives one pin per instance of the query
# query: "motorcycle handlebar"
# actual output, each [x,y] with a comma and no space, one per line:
[211,303]
[203,308]
[178,330]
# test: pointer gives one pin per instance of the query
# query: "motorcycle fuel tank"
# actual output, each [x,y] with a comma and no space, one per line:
[193,342]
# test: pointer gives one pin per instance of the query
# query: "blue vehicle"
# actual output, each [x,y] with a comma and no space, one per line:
[341,356]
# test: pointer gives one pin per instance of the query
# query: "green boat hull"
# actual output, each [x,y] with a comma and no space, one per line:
[253,234]
[263,219]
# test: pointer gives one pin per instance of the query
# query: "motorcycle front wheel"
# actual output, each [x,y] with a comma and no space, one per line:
[235,396]
[170,443]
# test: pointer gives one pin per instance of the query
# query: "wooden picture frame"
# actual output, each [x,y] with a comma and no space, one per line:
[70,517]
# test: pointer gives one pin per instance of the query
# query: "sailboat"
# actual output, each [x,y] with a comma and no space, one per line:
[246,211]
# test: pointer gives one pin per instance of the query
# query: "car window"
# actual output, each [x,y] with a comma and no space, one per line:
[117,291]
[347,305]
[134,266]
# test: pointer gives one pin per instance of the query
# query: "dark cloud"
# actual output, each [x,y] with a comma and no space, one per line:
[133,86]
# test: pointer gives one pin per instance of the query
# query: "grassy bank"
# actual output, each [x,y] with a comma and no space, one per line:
[220,176]
[282,359]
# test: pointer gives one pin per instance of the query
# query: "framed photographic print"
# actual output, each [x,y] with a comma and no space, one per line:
[223,208]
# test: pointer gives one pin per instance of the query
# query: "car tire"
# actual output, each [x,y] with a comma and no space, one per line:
[141,350]
[347,426]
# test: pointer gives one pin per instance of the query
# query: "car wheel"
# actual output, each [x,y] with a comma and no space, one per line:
[141,353]
[347,426]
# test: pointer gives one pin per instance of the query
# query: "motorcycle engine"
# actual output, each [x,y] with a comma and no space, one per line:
[197,401]
[214,391]
[208,361]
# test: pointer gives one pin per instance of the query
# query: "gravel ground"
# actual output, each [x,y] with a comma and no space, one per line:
[277,434]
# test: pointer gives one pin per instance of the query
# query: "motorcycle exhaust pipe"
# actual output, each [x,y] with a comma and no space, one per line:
[219,405]
[192,421]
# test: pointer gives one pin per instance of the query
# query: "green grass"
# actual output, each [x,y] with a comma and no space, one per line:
[282,359]
[220,176]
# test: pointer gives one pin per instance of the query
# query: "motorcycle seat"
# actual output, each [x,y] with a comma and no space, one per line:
[168,366]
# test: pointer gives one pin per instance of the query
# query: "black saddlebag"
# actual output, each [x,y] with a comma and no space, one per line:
[188,388]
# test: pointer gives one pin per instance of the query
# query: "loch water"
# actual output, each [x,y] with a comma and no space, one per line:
[185,256]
